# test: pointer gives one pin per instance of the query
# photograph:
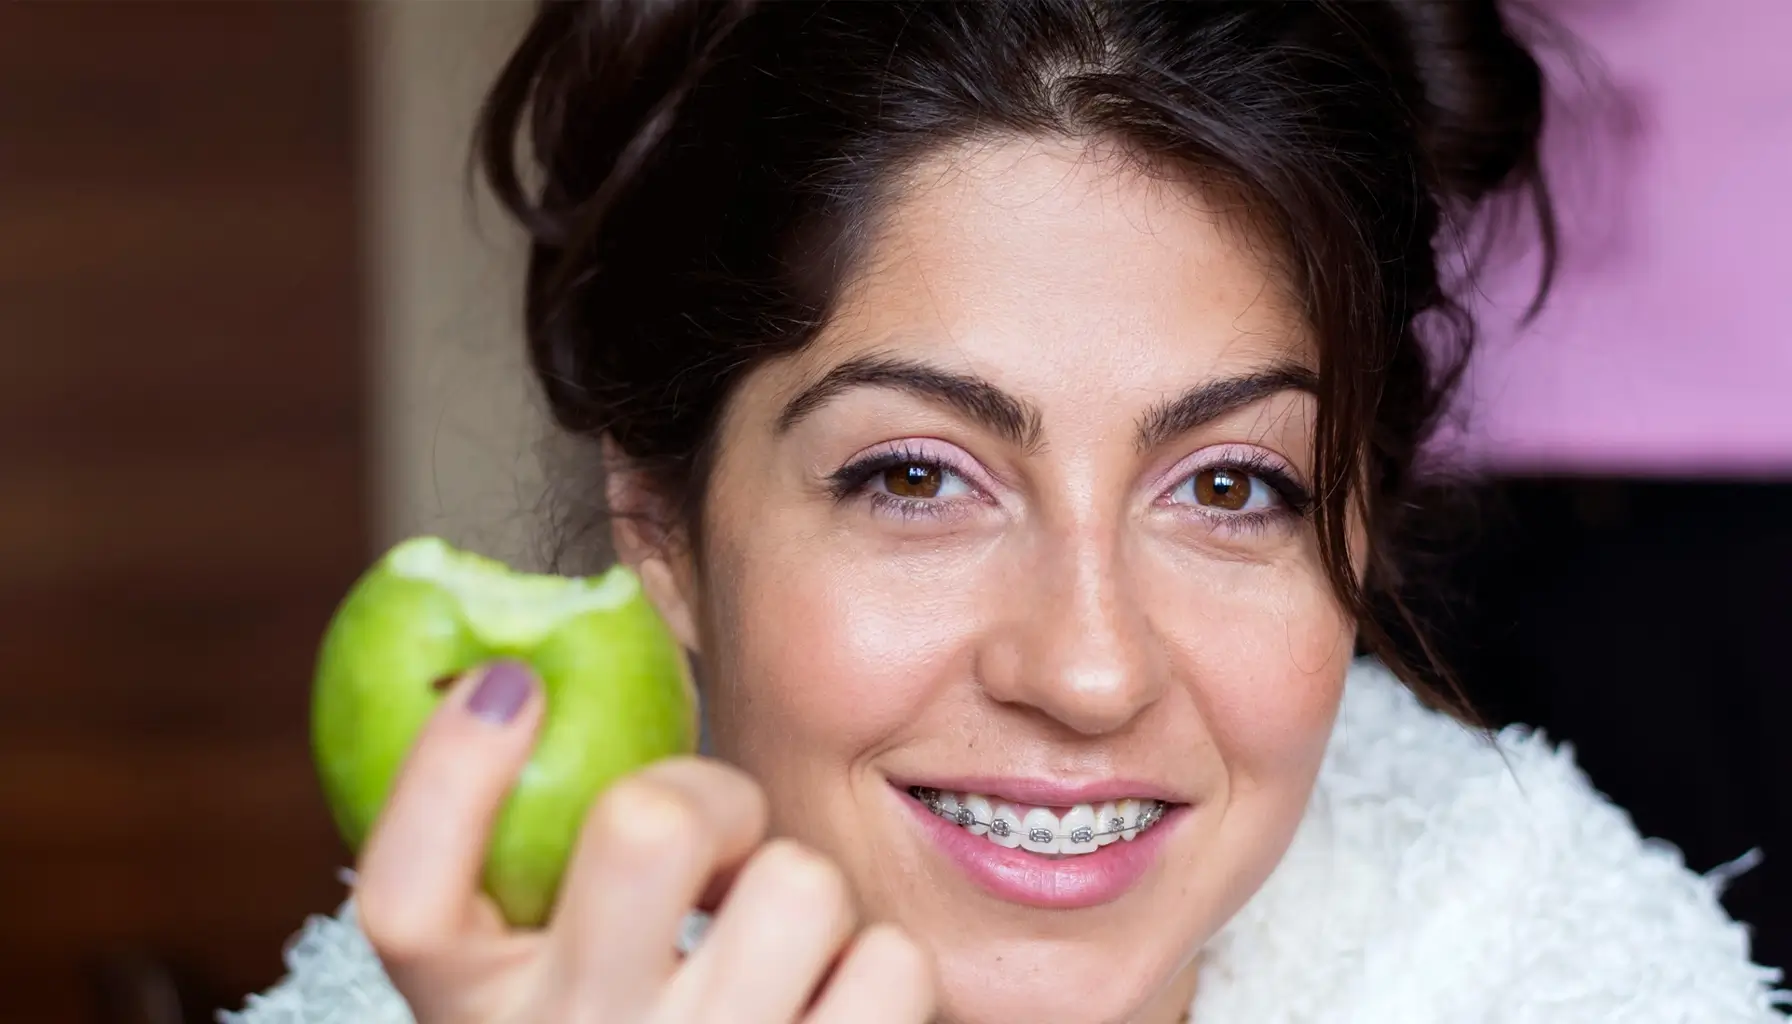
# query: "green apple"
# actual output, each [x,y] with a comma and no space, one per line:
[617,690]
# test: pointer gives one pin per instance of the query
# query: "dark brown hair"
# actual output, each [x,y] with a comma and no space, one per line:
[697,176]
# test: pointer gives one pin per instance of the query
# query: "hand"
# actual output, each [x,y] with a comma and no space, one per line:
[785,944]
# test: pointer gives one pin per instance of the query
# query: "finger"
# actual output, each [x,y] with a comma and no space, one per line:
[651,846]
[418,878]
[776,934]
[885,978]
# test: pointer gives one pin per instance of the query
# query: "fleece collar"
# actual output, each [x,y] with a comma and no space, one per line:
[1440,875]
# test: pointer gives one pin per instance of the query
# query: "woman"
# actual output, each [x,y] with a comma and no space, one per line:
[1013,408]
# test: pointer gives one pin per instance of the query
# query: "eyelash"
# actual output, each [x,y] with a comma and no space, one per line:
[1296,500]
[852,479]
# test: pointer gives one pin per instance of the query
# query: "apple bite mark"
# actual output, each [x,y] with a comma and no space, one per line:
[505,607]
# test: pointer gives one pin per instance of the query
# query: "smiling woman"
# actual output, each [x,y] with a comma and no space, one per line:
[1016,578]
[1013,407]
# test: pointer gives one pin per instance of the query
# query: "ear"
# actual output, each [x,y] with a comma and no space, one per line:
[649,540]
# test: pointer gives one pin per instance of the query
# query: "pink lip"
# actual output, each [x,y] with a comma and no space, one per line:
[1047,793]
[1069,883]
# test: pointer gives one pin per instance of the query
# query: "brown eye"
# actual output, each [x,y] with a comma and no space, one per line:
[914,480]
[1223,488]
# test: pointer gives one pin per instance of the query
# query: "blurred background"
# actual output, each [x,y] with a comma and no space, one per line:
[255,326]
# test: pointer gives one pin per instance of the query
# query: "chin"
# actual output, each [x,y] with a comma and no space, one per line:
[1088,980]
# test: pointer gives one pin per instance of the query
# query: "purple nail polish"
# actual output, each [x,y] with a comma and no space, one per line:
[501,692]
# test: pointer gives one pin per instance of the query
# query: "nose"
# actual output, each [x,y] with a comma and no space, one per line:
[1078,645]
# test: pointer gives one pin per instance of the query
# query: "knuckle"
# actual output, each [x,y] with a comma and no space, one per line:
[748,795]
[641,817]
[804,874]
[897,957]
[889,969]
[722,782]
[399,938]
[718,773]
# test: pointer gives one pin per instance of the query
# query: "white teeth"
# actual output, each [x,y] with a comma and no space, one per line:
[1107,824]
[1078,826]
[1129,819]
[1004,827]
[981,814]
[1083,829]
[1040,831]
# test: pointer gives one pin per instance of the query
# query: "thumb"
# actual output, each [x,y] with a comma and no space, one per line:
[418,880]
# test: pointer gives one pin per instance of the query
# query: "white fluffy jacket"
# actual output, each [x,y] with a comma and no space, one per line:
[1438,877]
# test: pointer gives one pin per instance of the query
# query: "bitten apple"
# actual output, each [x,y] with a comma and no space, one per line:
[617,695]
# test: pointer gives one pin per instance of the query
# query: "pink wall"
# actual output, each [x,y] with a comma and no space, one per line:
[1668,344]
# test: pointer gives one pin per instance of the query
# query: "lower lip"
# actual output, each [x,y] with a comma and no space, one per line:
[1065,883]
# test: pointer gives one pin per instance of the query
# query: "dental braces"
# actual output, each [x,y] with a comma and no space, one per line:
[962,816]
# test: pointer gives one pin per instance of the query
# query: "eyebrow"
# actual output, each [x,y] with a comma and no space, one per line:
[1012,419]
[1207,402]
[1019,422]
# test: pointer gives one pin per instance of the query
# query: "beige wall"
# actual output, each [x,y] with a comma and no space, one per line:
[456,420]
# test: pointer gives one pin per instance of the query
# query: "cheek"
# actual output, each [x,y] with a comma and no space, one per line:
[1262,652]
[833,658]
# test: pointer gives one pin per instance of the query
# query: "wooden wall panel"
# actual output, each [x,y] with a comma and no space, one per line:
[183,491]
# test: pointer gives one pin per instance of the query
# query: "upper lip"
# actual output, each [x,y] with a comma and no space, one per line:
[1037,792]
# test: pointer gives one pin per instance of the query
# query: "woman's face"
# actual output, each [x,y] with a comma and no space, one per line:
[1023,532]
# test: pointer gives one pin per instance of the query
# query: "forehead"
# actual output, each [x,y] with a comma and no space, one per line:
[1038,260]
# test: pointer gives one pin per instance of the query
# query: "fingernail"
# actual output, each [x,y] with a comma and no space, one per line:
[501,692]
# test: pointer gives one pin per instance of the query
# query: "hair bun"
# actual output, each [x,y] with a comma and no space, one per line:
[1479,93]
[601,83]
